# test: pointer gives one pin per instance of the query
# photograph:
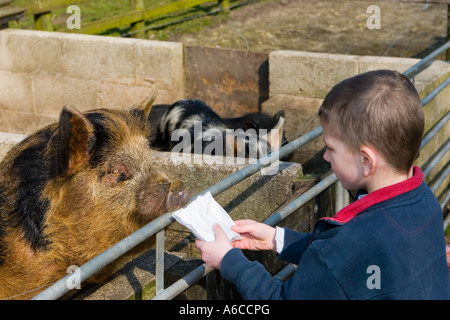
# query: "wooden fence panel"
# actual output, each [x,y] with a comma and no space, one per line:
[41,9]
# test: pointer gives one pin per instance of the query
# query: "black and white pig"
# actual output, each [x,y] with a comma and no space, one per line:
[192,126]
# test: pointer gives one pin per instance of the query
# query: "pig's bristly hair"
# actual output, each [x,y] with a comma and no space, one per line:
[147,104]
[30,170]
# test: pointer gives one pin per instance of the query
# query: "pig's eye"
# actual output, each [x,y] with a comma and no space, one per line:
[119,175]
[115,175]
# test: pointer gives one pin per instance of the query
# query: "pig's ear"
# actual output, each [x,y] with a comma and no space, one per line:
[76,140]
[278,115]
[146,105]
[275,136]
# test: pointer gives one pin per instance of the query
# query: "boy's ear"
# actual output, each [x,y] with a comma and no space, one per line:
[368,160]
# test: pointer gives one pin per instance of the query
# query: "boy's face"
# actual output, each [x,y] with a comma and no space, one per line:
[345,163]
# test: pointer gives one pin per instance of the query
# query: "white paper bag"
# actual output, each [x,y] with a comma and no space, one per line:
[200,215]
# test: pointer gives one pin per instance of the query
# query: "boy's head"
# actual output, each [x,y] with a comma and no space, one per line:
[381,109]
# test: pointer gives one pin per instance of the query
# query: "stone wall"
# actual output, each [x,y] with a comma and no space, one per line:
[40,72]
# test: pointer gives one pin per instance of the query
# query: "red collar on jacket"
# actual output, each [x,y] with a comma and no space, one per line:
[350,211]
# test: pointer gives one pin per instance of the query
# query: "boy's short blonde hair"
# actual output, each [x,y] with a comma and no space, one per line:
[378,108]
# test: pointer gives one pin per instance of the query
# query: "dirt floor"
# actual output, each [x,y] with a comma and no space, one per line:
[338,26]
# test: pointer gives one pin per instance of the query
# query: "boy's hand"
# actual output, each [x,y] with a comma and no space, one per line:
[213,252]
[255,235]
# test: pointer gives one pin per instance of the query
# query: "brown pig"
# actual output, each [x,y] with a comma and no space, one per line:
[75,188]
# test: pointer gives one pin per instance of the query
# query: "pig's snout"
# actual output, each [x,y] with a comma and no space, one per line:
[156,199]
[176,197]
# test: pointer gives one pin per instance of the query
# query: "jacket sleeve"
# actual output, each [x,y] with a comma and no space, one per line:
[295,244]
[312,279]
[251,279]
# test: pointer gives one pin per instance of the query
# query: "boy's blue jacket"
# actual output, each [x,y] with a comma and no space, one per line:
[388,245]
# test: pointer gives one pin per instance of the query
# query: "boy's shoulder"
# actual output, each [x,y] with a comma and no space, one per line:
[409,196]
[411,213]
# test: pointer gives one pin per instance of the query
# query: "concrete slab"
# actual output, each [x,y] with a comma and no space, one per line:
[307,74]
[135,281]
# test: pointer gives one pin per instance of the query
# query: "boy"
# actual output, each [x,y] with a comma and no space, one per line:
[387,244]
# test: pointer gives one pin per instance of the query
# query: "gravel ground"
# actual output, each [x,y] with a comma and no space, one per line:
[340,26]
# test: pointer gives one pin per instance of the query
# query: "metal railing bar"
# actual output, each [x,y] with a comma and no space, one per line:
[425,62]
[443,203]
[184,283]
[286,272]
[288,209]
[435,92]
[438,126]
[440,180]
[436,158]
[159,282]
[341,193]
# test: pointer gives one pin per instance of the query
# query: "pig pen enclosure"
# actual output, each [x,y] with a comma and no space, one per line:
[93,71]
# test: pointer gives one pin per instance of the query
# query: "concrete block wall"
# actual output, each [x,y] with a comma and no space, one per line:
[312,75]
[40,72]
